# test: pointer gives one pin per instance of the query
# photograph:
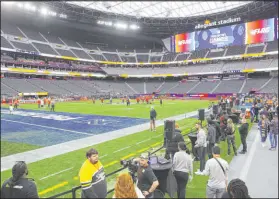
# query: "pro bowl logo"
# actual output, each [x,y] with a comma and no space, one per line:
[183,42]
[260,31]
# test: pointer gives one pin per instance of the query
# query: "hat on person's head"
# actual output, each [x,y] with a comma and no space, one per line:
[152,107]
[144,156]
[216,150]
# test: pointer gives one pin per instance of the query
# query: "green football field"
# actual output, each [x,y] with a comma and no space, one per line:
[60,173]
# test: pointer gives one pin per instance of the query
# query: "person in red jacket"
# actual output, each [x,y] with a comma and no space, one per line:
[39,103]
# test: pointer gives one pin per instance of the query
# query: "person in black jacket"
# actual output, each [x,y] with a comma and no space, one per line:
[211,137]
[172,146]
[243,131]
[153,115]
[19,186]
[217,128]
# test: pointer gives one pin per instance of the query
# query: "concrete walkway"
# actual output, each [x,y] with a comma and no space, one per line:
[66,147]
[258,168]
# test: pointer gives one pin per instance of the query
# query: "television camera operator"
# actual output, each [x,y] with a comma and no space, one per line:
[147,181]
[172,146]
[19,186]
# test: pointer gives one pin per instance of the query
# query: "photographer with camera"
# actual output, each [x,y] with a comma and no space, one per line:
[147,181]
[19,186]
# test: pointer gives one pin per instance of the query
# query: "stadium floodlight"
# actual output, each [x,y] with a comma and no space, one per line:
[52,13]
[108,23]
[134,27]
[27,6]
[121,25]
[20,5]
[44,11]
[9,3]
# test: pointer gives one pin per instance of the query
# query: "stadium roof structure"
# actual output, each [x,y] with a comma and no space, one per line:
[162,19]
[160,9]
[155,20]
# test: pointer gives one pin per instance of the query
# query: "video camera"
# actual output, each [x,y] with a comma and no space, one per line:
[132,167]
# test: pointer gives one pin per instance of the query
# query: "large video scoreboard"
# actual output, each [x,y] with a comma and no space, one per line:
[238,34]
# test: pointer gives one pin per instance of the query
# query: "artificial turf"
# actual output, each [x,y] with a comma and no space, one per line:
[73,160]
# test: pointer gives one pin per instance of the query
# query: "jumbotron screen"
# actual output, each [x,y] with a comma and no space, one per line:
[234,35]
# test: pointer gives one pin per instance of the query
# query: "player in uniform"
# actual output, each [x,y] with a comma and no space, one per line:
[11,108]
[161,101]
[52,105]
[93,100]
[102,100]
[110,100]
[128,101]
[39,103]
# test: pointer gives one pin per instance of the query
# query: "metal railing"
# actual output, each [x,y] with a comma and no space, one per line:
[74,189]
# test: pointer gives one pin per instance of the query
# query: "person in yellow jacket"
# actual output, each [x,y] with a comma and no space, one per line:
[92,176]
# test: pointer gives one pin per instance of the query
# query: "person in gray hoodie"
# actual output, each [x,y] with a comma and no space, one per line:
[211,136]
[201,146]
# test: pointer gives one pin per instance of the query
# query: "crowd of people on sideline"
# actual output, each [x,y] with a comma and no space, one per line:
[220,127]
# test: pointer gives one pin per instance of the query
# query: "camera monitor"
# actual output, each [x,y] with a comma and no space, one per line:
[153,160]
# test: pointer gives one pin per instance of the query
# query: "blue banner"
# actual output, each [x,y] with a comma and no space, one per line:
[219,37]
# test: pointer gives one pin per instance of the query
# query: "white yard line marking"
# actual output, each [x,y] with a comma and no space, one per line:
[56,173]
[122,149]
[143,141]
[47,127]
[103,156]
[247,165]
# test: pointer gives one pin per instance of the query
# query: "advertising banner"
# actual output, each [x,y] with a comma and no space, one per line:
[219,37]
[185,42]
[259,31]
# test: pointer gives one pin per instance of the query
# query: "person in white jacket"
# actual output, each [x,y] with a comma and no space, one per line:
[201,146]
[125,187]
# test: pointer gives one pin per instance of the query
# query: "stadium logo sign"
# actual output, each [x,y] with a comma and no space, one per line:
[260,31]
[183,42]
[207,23]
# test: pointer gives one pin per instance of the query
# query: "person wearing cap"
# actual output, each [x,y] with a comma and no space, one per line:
[147,181]
[243,131]
[217,170]
[19,186]
[92,176]
[153,115]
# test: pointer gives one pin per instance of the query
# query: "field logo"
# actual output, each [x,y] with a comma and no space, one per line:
[41,115]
